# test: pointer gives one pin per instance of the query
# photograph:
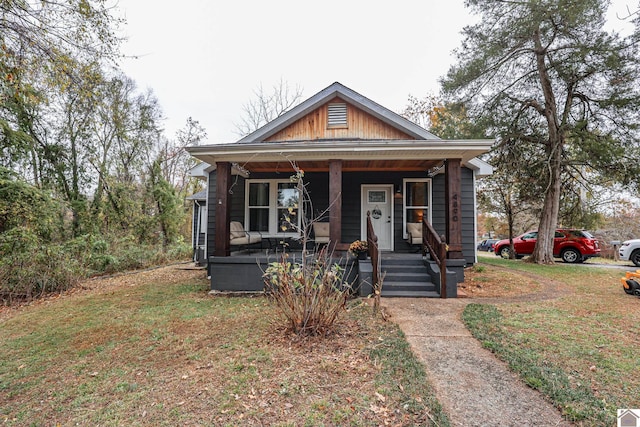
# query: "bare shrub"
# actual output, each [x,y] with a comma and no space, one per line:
[309,295]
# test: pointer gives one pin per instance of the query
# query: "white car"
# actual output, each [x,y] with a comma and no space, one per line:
[630,251]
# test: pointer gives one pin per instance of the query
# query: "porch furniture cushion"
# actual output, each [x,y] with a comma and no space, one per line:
[239,236]
[321,232]
[414,233]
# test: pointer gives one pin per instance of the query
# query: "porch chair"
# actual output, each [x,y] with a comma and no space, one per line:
[321,233]
[414,234]
[241,237]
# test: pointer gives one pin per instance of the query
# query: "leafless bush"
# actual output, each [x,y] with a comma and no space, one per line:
[309,295]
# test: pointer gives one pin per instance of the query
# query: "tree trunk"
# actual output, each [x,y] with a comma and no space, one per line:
[543,251]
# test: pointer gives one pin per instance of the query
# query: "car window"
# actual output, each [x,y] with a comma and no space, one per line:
[532,235]
[559,234]
[579,234]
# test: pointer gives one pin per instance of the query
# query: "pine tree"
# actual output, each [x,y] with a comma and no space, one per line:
[545,73]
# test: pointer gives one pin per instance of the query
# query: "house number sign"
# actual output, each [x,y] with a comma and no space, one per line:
[454,205]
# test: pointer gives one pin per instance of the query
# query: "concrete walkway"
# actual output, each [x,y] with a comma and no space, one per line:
[473,386]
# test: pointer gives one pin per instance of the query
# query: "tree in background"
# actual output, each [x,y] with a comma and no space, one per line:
[545,74]
[87,179]
[41,47]
[169,212]
[267,106]
[176,162]
[444,119]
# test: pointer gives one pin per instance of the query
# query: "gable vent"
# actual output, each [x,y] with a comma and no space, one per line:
[337,114]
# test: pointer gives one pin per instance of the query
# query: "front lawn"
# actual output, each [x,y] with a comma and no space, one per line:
[154,349]
[582,350]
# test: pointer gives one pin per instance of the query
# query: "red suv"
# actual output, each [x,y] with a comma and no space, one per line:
[570,245]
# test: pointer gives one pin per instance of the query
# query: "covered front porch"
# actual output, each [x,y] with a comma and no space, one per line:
[416,191]
[345,190]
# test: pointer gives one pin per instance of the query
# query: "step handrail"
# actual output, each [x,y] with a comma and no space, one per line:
[437,247]
[374,253]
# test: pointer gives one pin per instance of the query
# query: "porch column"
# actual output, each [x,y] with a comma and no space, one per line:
[453,211]
[335,203]
[222,247]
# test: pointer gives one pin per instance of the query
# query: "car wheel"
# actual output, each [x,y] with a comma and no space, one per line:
[505,252]
[571,255]
[635,258]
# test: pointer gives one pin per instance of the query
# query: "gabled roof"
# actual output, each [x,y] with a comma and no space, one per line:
[256,152]
[349,96]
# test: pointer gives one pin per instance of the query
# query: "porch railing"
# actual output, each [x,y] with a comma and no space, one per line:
[374,253]
[437,247]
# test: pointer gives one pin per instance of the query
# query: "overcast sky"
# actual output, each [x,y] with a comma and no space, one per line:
[204,59]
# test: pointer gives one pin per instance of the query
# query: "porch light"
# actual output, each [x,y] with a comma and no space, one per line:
[398,189]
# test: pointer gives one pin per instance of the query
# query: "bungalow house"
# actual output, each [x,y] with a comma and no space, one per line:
[364,165]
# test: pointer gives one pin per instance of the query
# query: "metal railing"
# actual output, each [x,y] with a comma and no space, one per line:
[374,253]
[437,248]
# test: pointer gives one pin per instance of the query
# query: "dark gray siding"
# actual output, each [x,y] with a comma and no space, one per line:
[467,208]
[468,217]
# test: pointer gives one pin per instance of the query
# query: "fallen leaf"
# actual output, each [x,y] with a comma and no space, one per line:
[380,397]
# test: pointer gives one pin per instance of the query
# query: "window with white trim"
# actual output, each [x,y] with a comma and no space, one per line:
[416,201]
[273,207]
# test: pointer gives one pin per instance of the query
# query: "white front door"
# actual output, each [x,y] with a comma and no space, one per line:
[378,199]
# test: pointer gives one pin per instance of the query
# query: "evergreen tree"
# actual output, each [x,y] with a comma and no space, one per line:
[546,74]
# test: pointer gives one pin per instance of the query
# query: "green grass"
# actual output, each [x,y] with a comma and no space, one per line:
[581,350]
[402,371]
[169,354]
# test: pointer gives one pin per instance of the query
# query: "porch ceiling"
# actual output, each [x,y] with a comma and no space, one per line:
[356,155]
[347,165]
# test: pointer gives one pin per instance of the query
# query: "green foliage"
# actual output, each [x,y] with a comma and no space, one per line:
[310,296]
[77,184]
[23,205]
[445,119]
[30,268]
[560,94]
[170,213]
